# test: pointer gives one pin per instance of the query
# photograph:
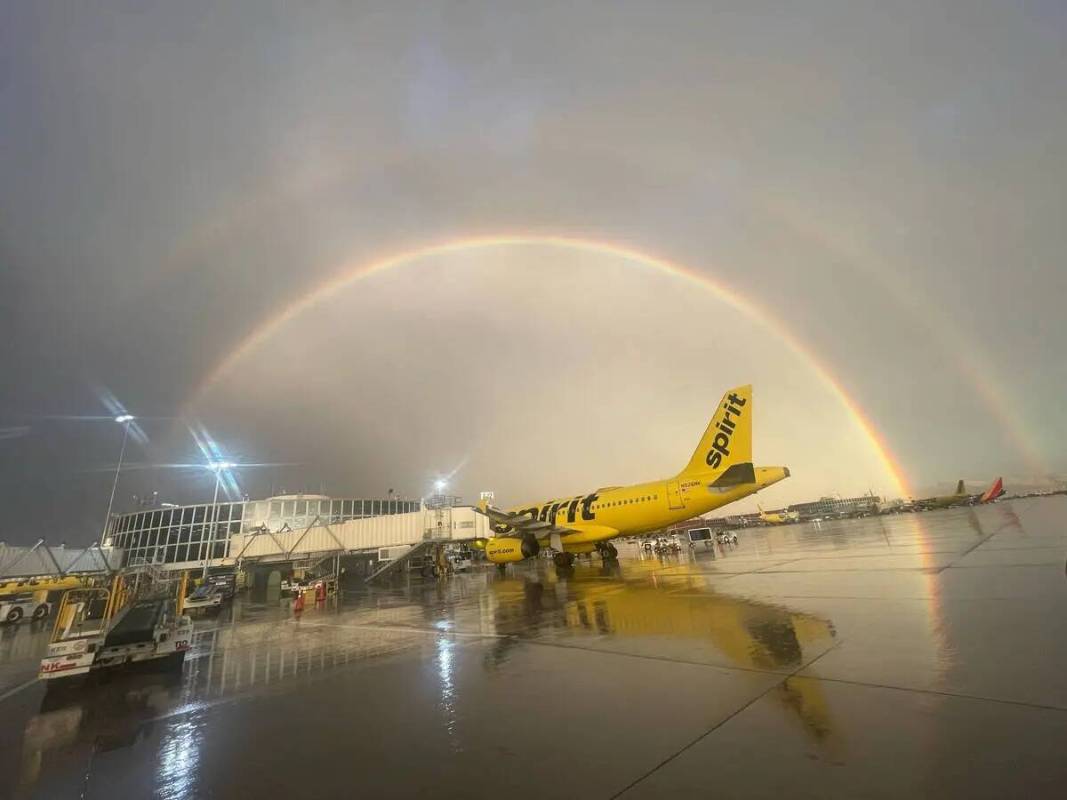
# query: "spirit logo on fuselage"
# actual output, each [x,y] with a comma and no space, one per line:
[720,445]
[547,512]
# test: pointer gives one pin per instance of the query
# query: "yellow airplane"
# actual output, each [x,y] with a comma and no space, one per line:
[777,517]
[720,472]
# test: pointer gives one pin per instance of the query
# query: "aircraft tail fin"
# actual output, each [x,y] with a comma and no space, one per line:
[993,492]
[960,488]
[728,439]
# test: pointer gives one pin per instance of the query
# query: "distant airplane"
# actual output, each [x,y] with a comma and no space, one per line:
[961,497]
[993,492]
[777,517]
[719,472]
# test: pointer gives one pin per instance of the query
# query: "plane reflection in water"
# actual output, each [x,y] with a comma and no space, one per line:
[642,600]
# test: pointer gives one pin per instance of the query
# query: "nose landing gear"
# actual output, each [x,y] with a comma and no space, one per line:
[563,560]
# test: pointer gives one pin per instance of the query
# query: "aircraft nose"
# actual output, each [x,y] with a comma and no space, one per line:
[786,471]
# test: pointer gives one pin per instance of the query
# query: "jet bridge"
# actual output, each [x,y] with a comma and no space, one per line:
[320,540]
[43,559]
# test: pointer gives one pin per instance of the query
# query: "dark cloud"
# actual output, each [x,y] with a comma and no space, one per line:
[886,180]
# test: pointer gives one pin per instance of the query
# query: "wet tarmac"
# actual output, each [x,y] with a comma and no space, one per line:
[916,655]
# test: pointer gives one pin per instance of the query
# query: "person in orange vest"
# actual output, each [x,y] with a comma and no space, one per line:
[298,603]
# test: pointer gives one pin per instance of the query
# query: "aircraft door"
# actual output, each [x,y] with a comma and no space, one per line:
[674,496]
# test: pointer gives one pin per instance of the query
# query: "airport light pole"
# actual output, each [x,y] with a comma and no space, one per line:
[124,420]
[217,467]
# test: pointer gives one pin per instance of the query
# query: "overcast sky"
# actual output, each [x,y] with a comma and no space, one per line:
[885,180]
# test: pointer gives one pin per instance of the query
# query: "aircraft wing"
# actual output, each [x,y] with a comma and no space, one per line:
[521,524]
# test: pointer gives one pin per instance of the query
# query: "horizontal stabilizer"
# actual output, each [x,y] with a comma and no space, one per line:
[736,475]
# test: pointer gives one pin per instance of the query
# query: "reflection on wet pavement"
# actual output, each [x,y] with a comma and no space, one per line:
[828,652]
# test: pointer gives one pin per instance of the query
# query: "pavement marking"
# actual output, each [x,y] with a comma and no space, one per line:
[720,723]
[19,688]
[936,692]
[402,629]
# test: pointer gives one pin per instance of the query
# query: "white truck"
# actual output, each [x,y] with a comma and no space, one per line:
[207,598]
[85,640]
[16,608]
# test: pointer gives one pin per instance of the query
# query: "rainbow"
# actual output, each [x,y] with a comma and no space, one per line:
[352,272]
[969,361]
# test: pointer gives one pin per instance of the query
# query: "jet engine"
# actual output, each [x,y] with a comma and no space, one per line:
[508,549]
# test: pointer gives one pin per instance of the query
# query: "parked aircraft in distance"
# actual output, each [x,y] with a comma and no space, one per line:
[777,517]
[961,497]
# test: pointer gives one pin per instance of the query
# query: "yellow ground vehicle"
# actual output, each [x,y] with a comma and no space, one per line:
[97,628]
[41,583]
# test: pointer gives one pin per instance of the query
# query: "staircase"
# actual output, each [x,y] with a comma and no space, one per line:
[421,549]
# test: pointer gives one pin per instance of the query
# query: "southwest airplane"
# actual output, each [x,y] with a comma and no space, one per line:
[962,498]
[720,472]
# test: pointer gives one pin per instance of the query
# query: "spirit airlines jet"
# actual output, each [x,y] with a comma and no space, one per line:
[720,472]
[778,517]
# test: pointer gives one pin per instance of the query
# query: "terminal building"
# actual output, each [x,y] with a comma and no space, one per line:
[837,506]
[179,534]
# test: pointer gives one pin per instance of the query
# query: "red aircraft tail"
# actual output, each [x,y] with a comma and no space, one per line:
[993,492]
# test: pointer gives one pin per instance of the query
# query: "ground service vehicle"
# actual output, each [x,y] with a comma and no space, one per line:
[697,535]
[19,607]
[90,634]
[208,598]
[226,584]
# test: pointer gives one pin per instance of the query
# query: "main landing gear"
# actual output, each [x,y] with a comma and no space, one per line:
[563,560]
[608,551]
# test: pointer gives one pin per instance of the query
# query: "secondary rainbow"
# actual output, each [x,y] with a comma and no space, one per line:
[355,271]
